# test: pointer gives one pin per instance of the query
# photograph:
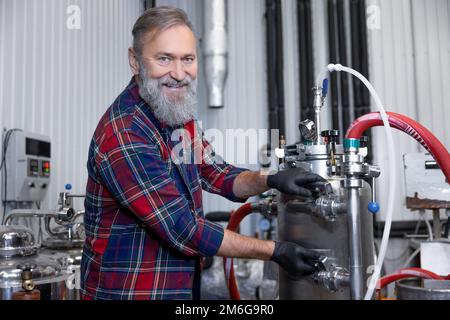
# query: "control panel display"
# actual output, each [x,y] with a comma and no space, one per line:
[36,147]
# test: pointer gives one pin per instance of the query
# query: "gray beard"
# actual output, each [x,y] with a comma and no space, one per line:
[173,111]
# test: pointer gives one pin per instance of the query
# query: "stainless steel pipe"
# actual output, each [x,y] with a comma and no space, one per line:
[215,50]
[354,228]
[27,213]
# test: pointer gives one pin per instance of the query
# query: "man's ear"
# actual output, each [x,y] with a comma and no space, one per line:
[133,61]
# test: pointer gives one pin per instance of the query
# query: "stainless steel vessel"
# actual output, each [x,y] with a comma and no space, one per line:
[19,251]
[302,224]
[63,244]
[417,289]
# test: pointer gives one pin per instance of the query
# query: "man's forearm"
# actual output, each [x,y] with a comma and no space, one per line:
[239,246]
[250,183]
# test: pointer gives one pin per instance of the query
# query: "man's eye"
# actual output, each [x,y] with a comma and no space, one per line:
[189,60]
[164,60]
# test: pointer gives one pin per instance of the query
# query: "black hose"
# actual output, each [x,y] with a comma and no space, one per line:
[306,57]
[218,216]
[275,65]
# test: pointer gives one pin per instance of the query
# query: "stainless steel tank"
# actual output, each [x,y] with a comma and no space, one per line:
[303,226]
[418,289]
[67,245]
[70,258]
[18,250]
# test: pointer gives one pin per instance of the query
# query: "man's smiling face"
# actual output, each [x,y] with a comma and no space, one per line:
[167,74]
[171,57]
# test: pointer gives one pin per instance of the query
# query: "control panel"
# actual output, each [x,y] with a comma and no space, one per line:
[28,167]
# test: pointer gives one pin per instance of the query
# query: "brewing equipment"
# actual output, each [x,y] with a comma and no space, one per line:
[65,238]
[21,263]
[337,222]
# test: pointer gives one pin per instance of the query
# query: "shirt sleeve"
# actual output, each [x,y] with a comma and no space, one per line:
[218,176]
[135,173]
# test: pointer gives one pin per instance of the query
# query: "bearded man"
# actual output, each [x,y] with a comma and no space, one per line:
[145,229]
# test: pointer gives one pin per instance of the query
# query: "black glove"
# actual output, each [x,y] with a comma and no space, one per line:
[292,181]
[294,259]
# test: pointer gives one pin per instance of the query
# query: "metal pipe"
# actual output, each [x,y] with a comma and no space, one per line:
[354,226]
[49,229]
[78,214]
[327,207]
[447,226]
[374,190]
[318,103]
[215,51]
[25,213]
[70,195]
[348,46]
[437,228]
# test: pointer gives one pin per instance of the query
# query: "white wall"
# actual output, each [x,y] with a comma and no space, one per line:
[409,63]
[58,82]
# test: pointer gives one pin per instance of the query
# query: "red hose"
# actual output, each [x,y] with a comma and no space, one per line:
[235,219]
[410,127]
[407,273]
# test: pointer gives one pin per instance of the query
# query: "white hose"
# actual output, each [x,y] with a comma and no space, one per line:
[430,230]
[392,175]
[411,257]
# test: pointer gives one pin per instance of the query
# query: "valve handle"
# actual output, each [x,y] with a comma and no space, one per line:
[324,87]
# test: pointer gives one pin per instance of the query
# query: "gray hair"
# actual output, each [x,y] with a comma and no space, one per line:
[157,20]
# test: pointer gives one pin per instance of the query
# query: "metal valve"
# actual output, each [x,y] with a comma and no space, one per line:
[27,276]
[308,130]
[333,278]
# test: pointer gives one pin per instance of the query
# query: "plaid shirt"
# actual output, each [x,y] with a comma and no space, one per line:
[145,228]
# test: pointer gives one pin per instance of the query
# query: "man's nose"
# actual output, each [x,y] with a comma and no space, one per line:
[178,72]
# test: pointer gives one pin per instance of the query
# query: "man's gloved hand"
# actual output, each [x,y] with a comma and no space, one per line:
[294,259]
[292,181]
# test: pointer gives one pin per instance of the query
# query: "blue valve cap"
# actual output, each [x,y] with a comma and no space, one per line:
[373,207]
[324,87]
[68,186]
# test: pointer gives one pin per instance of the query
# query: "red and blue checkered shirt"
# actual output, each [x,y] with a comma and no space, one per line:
[145,227]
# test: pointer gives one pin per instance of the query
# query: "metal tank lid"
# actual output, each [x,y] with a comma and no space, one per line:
[16,241]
